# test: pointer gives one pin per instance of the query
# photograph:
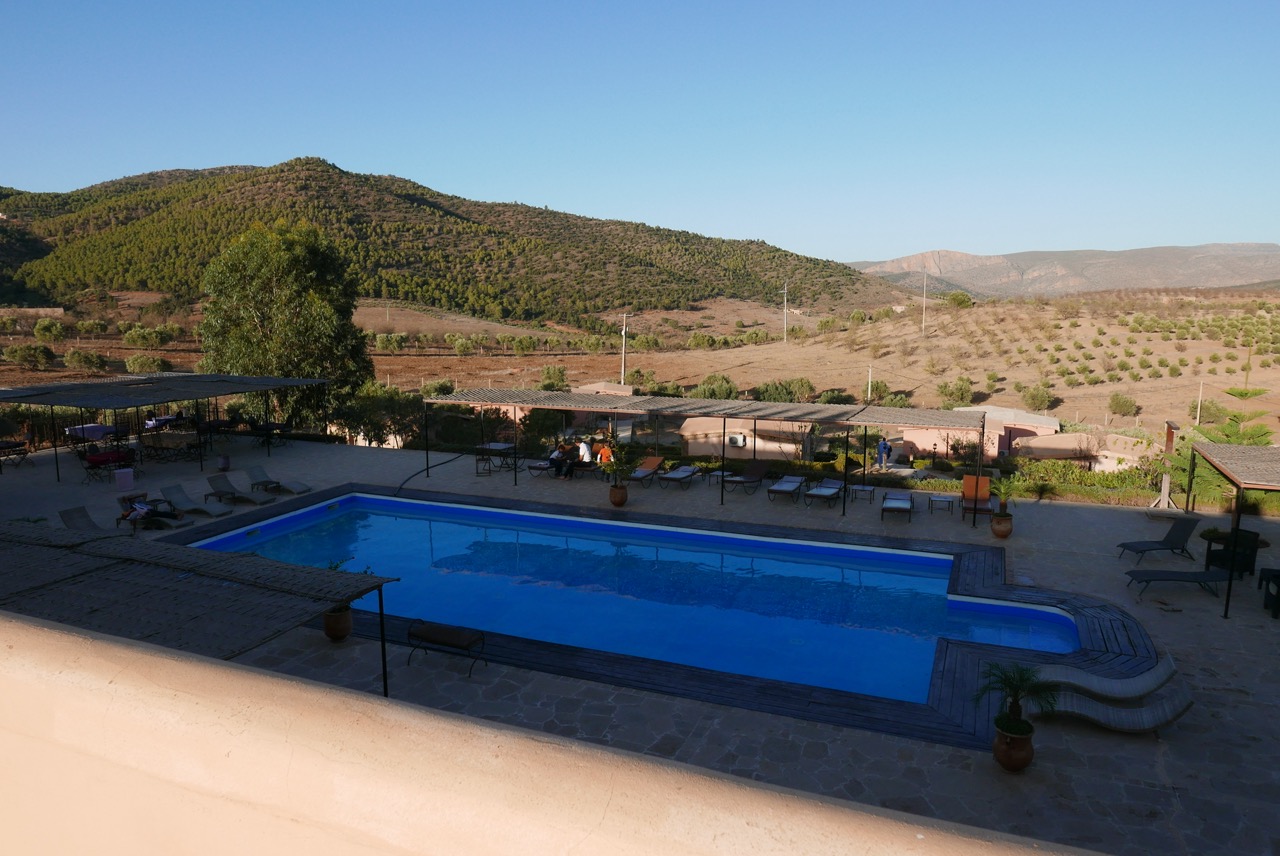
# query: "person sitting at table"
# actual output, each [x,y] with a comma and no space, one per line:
[559,460]
[584,450]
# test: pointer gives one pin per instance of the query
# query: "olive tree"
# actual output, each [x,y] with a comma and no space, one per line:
[280,303]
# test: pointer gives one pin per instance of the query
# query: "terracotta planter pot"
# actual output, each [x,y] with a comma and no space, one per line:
[338,623]
[1013,752]
[1002,525]
[618,494]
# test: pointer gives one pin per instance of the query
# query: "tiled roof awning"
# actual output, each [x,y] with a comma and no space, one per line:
[214,604]
[130,391]
[1248,467]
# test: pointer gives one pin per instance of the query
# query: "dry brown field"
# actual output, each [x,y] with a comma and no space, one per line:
[913,352]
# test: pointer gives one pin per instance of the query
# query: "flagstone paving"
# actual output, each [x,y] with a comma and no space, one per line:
[1207,785]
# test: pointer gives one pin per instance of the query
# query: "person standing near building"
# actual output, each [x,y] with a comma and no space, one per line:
[884,452]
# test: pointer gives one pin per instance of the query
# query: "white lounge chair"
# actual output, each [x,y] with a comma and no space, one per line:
[178,498]
[682,476]
[259,480]
[899,502]
[828,490]
[787,486]
[221,489]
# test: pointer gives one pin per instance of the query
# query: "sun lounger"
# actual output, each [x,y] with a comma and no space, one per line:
[682,476]
[790,486]
[1207,580]
[1155,712]
[648,469]
[221,489]
[1112,689]
[750,480]
[259,480]
[178,498]
[1175,540]
[828,490]
[78,518]
[897,502]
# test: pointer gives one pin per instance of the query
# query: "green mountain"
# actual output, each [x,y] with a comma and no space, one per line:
[156,232]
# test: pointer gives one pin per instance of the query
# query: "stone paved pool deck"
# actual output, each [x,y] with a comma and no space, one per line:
[1208,784]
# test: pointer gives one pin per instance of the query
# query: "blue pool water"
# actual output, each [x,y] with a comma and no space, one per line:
[859,619]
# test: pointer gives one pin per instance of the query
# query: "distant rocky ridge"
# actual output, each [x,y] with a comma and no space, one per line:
[1058,273]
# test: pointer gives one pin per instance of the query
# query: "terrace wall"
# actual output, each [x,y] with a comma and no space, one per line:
[114,747]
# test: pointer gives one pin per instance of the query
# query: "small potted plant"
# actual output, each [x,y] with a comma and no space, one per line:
[1017,684]
[338,622]
[1001,519]
[622,462]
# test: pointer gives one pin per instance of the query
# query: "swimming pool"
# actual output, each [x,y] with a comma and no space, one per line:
[855,619]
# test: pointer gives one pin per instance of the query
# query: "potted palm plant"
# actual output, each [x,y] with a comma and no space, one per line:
[1002,520]
[623,458]
[1017,684]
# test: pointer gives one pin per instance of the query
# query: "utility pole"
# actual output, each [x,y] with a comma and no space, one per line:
[1199,400]
[784,312]
[622,377]
[924,302]
[868,384]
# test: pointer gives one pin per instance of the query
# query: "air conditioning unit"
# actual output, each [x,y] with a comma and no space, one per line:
[737,439]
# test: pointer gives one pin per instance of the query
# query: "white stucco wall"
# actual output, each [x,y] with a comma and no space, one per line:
[114,747]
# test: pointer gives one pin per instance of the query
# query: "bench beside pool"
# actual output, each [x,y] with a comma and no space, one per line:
[429,635]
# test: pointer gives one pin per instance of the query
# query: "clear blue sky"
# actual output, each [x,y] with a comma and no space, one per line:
[845,130]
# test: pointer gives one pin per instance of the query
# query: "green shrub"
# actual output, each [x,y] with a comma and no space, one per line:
[49,330]
[88,361]
[147,364]
[29,356]
[1122,405]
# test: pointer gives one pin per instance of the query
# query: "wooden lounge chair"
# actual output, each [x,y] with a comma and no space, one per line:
[828,490]
[790,486]
[1207,580]
[221,489]
[898,502]
[648,469]
[1175,540]
[750,480]
[1155,712]
[975,495]
[178,498]
[259,480]
[682,476]
[1112,689]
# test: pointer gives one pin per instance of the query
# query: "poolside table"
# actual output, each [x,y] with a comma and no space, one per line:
[489,455]
[942,500]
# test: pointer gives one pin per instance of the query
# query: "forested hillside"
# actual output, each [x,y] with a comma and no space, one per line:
[156,232]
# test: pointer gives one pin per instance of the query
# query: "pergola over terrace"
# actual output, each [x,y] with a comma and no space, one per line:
[209,603]
[134,392]
[1247,468]
[848,415]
